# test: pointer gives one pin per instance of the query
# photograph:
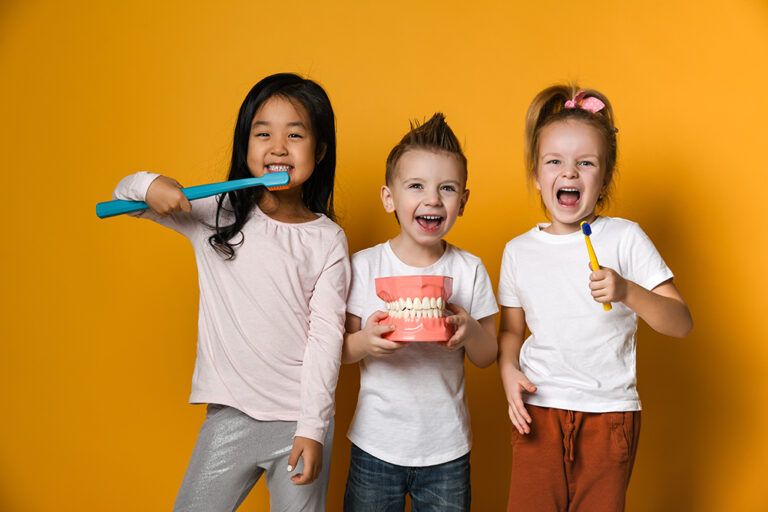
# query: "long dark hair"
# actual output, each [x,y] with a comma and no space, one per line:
[317,191]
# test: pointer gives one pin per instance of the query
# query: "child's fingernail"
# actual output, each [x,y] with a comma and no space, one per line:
[290,468]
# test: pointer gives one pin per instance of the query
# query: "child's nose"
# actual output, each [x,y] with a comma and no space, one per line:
[279,148]
[570,171]
[433,198]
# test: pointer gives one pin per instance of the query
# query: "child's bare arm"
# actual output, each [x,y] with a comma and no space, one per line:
[360,343]
[511,337]
[662,308]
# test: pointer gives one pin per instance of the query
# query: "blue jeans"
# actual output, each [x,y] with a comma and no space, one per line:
[377,486]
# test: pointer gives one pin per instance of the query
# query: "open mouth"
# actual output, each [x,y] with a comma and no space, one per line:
[278,167]
[430,223]
[568,197]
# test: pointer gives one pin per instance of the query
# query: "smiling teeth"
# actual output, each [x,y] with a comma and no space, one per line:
[431,217]
[415,308]
[279,167]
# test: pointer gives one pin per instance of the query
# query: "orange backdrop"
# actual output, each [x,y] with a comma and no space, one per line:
[98,318]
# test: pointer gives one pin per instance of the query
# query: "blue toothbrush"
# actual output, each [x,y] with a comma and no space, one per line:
[272,180]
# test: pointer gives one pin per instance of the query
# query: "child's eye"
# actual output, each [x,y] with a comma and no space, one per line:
[262,134]
[448,188]
[295,136]
[586,163]
[417,186]
[553,161]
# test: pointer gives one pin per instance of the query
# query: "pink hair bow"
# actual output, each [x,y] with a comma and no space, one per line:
[584,102]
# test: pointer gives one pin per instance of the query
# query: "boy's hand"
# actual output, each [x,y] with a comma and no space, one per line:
[607,286]
[311,452]
[164,197]
[515,384]
[465,327]
[374,344]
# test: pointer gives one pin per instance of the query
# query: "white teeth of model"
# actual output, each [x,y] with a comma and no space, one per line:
[411,314]
[439,313]
[408,303]
[417,314]
[432,303]
[439,303]
[401,304]
[417,303]
[429,313]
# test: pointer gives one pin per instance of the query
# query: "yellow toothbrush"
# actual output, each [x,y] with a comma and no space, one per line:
[594,265]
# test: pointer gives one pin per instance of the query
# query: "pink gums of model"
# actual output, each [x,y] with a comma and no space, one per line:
[416,307]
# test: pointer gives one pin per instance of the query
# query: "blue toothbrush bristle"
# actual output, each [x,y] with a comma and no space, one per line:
[586,229]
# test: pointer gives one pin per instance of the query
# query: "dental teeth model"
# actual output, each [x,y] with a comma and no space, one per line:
[416,307]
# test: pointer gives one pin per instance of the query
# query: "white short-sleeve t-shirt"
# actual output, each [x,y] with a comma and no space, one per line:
[411,409]
[579,356]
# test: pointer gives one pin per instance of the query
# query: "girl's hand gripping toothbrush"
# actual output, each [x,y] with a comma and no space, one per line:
[273,181]
[593,264]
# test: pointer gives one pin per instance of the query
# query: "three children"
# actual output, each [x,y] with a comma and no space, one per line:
[266,258]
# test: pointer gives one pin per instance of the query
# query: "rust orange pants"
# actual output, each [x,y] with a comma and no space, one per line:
[573,461]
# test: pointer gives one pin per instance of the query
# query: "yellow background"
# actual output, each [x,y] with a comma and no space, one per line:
[98,317]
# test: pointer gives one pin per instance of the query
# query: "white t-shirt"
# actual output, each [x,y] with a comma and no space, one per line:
[411,409]
[579,356]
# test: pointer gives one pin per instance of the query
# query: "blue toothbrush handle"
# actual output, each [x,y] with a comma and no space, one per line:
[120,206]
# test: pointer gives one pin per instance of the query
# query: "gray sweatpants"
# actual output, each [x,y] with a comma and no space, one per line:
[233,450]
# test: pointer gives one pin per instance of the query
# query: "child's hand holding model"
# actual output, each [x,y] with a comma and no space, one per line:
[571,386]
[411,431]
[273,275]
[467,329]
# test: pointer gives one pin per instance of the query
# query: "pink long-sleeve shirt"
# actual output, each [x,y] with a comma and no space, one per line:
[271,320]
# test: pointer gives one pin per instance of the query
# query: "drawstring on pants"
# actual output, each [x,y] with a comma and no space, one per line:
[569,436]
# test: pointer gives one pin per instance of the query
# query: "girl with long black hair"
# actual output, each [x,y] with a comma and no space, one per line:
[273,275]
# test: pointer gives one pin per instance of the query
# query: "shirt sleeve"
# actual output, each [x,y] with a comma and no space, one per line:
[644,264]
[507,289]
[322,357]
[483,299]
[358,288]
[134,188]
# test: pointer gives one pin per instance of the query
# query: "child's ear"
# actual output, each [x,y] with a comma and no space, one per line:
[320,152]
[386,199]
[464,199]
